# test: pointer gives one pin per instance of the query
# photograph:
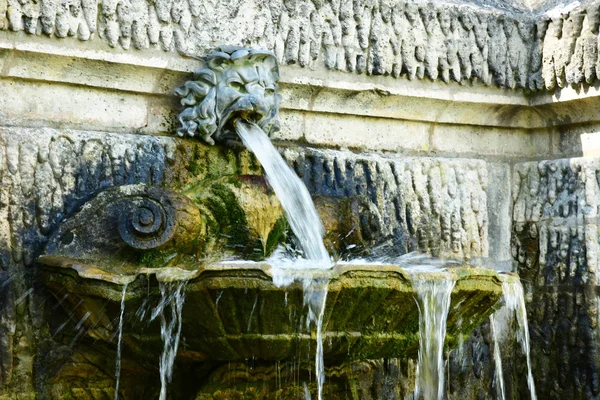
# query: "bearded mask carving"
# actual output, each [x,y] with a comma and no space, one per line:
[236,83]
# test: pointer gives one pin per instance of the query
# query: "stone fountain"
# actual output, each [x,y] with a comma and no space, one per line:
[111,262]
[141,247]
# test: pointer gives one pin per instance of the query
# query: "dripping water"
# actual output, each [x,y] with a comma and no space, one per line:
[434,303]
[120,337]
[285,272]
[515,301]
[499,373]
[169,309]
[315,296]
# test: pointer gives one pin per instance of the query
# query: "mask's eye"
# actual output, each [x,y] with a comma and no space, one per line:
[239,86]
[269,91]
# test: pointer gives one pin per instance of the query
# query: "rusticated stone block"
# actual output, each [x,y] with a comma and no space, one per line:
[555,244]
[447,41]
[432,205]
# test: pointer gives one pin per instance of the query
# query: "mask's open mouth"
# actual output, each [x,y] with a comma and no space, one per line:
[227,124]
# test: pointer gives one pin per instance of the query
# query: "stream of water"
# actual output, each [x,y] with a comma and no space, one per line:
[307,227]
[499,373]
[119,339]
[434,304]
[515,301]
[315,296]
[172,299]
[291,192]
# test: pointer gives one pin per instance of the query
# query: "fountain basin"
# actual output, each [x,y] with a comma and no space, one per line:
[234,311]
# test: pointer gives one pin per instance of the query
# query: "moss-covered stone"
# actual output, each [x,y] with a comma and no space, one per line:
[235,312]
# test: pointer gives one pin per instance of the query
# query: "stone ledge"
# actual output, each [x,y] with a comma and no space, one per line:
[85,86]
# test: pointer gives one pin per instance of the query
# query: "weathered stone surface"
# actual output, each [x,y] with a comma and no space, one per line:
[363,380]
[139,226]
[242,314]
[496,43]
[434,205]
[45,175]
[555,243]
[439,41]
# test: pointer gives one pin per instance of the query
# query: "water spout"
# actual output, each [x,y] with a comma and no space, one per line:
[291,192]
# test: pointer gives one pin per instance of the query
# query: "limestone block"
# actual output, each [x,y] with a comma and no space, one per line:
[555,246]
[76,106]
[494,141]
[409,204]
[366,133]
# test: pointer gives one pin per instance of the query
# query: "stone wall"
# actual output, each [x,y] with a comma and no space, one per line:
[431,205]
[555,245]
[95,110]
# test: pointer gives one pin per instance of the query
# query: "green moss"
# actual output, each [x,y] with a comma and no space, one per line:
[276,236]
[156,258]
[229,216]
[196,166]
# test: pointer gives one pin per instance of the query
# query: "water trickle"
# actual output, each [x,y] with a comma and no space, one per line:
[315,296]
[285,272]
[434,304]
[169,309]
[460,350]
[120,337]
[515,301]
[291,192]
[499,373]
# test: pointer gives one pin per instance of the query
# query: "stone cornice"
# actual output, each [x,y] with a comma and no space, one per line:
[437,41]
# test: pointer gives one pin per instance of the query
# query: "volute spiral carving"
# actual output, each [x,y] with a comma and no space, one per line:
[149,223]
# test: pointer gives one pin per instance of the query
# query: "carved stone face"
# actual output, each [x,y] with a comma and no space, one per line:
[236,84]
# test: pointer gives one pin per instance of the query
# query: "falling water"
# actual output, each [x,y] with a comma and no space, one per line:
[515,301]
[315,296]
[306,225]
[120,337]
[172,298]
[291,192]
[499,374]
[434,304]
[285,271]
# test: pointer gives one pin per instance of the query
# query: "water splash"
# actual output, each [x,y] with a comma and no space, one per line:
[172,299]
[120,337]
[291,192]
[434,304]
[515,301]
[499,373]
